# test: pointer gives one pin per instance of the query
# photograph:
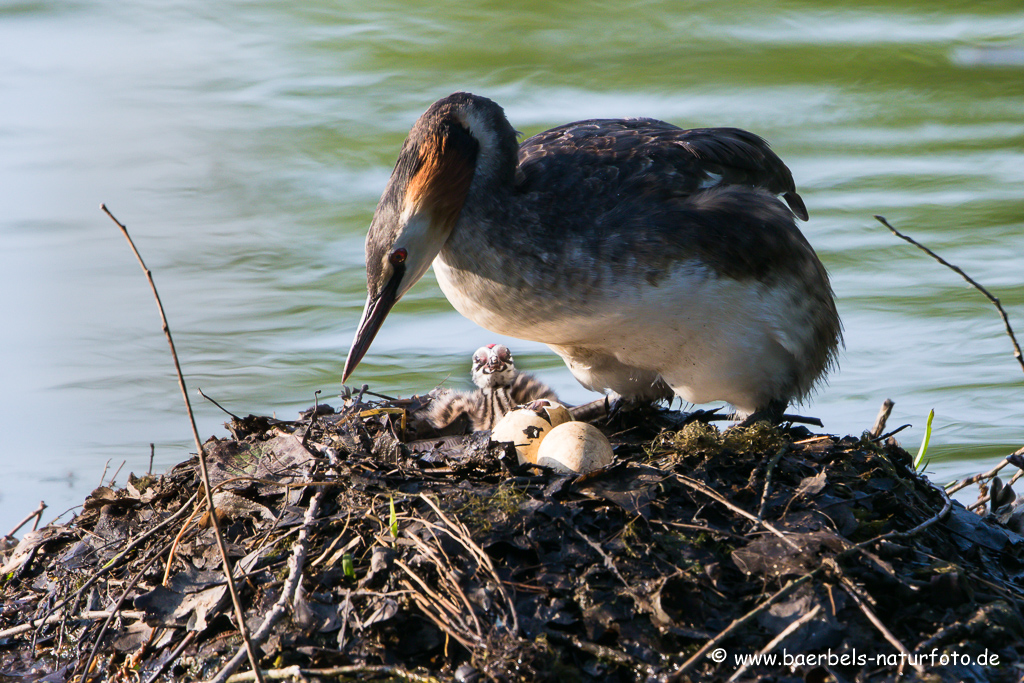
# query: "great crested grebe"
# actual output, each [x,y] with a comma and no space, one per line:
[652,259]
[501,388]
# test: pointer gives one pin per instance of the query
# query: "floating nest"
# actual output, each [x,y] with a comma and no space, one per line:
[363,552]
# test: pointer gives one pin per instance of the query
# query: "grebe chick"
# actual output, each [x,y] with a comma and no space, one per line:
[501,388]
[654,260]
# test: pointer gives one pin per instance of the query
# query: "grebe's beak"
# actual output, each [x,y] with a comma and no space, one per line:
[376,309]
[495,364]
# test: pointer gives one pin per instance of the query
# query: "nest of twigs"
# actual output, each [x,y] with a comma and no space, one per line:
[359,552]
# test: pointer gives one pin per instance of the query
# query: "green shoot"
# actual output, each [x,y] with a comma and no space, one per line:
[924,443]
[393,519]
[347,566]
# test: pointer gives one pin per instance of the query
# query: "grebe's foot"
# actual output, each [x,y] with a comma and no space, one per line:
[610,408]
[701,415]
[624,413]
[772,413]
[775,414]
[588,412]
[803,419]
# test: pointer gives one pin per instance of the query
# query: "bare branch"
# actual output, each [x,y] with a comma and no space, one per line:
[883,417]
[296,564]
[37,513]
[239,613]
[970,280]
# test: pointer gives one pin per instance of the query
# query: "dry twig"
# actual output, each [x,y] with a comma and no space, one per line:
[883,417]
[115,610]
[886,633]
[716,496]
[690,663]
[114,561]
[174,545]
[893,432]
[987,475]
[970,280]
[185,642]
[349,671]
[464,536]
[88,615]
[947,505]
[641,602]
[37,513]
[296,563]
[777,640]
[451,580]
[200,451]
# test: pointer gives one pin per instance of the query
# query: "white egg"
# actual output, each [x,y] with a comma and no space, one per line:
[575,448]
[525,428]
[556,412]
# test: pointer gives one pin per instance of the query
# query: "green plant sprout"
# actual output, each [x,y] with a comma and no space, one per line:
[924,443]
[393,519]
[347,566]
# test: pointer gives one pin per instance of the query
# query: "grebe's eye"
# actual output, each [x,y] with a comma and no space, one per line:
[398,256]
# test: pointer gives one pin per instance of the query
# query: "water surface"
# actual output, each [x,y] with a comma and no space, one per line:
[246,144]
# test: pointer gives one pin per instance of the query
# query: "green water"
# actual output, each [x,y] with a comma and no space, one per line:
[246,144]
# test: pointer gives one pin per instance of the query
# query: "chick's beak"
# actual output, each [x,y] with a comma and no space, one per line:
[376,309]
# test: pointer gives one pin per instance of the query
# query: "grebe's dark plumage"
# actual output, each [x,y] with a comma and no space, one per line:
[652,259]
[643,155]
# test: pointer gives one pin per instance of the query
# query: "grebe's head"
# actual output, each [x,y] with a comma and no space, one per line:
[493,366]
[458,139]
